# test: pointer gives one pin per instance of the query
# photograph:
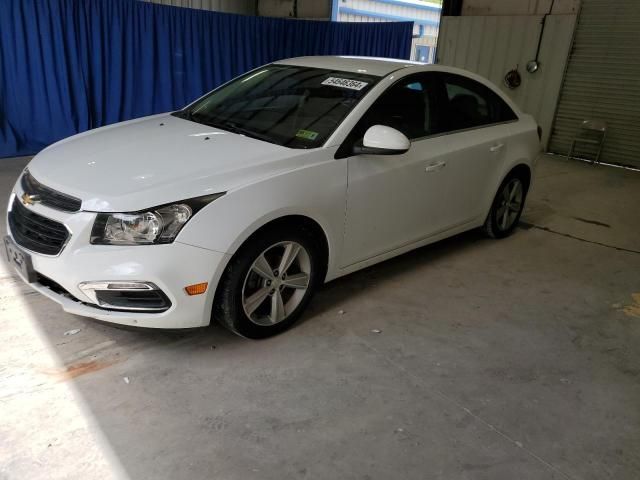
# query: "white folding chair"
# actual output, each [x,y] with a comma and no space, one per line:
[591,132]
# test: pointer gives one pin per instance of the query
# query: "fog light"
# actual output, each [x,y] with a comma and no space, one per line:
[197,289]
[129,296]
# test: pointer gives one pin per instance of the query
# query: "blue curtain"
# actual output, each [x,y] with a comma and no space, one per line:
[70,65]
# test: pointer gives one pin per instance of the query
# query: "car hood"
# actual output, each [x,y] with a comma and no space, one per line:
[147,162]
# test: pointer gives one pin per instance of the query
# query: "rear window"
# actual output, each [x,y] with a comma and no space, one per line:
[472,104]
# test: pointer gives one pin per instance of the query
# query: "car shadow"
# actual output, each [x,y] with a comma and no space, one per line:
[336,292]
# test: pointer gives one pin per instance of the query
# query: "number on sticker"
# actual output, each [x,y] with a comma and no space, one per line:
[345,83]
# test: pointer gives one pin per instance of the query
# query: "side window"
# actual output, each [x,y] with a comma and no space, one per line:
[472,104]
[503,111]
[405,106]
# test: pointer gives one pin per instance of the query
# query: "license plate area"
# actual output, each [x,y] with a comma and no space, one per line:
[20,260]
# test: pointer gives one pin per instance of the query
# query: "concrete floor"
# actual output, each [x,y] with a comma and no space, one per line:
[513,359]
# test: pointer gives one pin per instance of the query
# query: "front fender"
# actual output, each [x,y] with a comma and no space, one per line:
[317,191]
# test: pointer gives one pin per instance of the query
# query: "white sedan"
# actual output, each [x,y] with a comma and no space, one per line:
[239,206]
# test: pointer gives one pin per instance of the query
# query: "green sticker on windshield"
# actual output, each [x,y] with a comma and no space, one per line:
[307,134]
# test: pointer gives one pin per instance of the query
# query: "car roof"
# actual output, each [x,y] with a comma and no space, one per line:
[379,67]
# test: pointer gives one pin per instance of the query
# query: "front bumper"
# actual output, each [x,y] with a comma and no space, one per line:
[171,267]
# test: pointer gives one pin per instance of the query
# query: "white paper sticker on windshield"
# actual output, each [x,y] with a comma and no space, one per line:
[345,83]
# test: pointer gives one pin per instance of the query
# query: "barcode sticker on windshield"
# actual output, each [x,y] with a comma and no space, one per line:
[345,83]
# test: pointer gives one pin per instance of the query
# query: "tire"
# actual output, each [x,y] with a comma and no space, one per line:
[501,224]
[247,280]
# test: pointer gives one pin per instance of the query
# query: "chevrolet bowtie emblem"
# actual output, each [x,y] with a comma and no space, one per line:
[28,199]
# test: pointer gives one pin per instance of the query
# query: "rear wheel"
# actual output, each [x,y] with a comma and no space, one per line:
[268,283]
[507,207]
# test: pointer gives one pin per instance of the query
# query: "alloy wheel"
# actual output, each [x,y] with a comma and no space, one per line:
[276,283]
[510,206]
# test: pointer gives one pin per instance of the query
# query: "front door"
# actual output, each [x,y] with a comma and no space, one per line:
[396,200]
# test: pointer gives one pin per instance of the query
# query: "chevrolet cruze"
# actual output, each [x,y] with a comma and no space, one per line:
[237,207]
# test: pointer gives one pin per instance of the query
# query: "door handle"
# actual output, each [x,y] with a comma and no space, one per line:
[496,147]
[435,166]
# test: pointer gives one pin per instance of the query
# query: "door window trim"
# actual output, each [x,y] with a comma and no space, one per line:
[340,154]
[461,130]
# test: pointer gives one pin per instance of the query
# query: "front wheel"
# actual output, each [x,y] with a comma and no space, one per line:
[507,207]
[268,283]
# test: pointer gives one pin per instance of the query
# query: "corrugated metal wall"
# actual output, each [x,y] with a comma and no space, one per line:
[306,9]
[349,17]
[244,7]
[493,45]
[425,16]
[519,7]
[603,80]
[348,12]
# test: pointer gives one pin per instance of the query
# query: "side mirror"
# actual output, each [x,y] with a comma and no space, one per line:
[382,140]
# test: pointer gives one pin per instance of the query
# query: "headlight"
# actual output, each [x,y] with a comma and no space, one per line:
[157,225]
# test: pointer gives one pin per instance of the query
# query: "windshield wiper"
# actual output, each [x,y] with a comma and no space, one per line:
[225,125]
[235,128]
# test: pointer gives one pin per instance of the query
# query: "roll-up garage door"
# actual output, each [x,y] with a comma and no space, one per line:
[602,80]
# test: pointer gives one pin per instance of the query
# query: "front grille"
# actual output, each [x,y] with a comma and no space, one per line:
[35,232]
[54,286]
[48,196]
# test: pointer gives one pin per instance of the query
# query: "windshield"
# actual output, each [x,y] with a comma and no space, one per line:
[297,107]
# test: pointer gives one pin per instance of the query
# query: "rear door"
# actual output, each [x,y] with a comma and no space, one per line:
[475,134]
